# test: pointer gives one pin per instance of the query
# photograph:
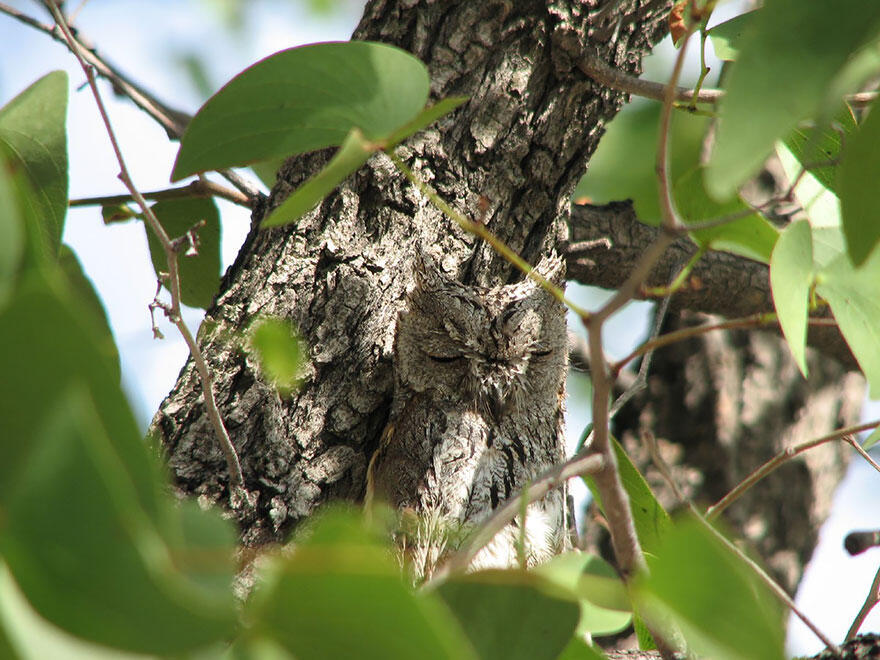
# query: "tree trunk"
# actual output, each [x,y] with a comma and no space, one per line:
[510,157]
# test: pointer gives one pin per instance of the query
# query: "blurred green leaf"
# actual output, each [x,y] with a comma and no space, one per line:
[12,224]
[341,595]
[278,350]
[353,153]
[786,62]
[857,187]
[712,596]
[604,602]
[623,165]
[727,36]
[84,553]
[817,149]
[199,273]
[118,213]
[33,129]
[872,439]
[752,236]
[302,99]
[854,296]
[577,649]
[651,520]
[88,299]
[791,276]
[509,615]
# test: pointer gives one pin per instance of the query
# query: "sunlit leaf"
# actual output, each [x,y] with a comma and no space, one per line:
[507,615]
[819,149]
[727,36]
[304,99]
[751,236]
[354,152]
[651,520]
[631,138]
[854,297]
[791,275]
[712,596]
[342,596]
[786,62]
[604,603]
[857,187]
[32,127]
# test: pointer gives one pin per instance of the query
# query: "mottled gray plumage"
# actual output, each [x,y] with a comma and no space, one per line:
[477,413]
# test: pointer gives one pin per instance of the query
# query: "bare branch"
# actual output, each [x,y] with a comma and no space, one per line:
[238,494]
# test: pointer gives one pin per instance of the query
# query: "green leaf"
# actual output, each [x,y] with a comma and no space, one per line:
[12,225]
[854,297]
[751,236]
[48,340]
[577,649]
[354,152]
[304,99]
[278,350]
[509,615]
[86,555]
[425,118]
[791,276]
[727,36]
[651,520]
[712,596]
[89,533]
[596,586]
[631,138]
[857,187]
[342,596]
[818,148]
[111,213]
[200,272]
[785,64]
[32,128]
[88,299]
[872,439]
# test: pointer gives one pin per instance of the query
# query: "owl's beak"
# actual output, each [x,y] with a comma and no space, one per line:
[498,400]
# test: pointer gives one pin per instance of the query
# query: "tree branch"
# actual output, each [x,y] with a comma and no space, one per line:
[720,283]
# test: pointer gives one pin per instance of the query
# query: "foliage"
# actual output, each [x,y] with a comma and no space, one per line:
[98,548]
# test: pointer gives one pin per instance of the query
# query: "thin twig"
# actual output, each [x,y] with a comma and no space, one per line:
[583,463]
[198,188]
[871,600]
[851,440]
[238,494]
[753,321]
[777,590]
[603,73]
[785,455]
[174,121]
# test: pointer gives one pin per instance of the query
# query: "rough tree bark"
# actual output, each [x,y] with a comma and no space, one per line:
[513,154]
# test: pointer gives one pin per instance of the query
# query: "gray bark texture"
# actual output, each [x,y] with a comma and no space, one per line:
[511,157]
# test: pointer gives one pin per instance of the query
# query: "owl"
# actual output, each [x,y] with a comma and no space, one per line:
[477,413]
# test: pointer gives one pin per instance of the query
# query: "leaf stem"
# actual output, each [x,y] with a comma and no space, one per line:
[198,188]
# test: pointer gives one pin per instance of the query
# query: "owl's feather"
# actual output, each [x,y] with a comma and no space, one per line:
[477,413]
